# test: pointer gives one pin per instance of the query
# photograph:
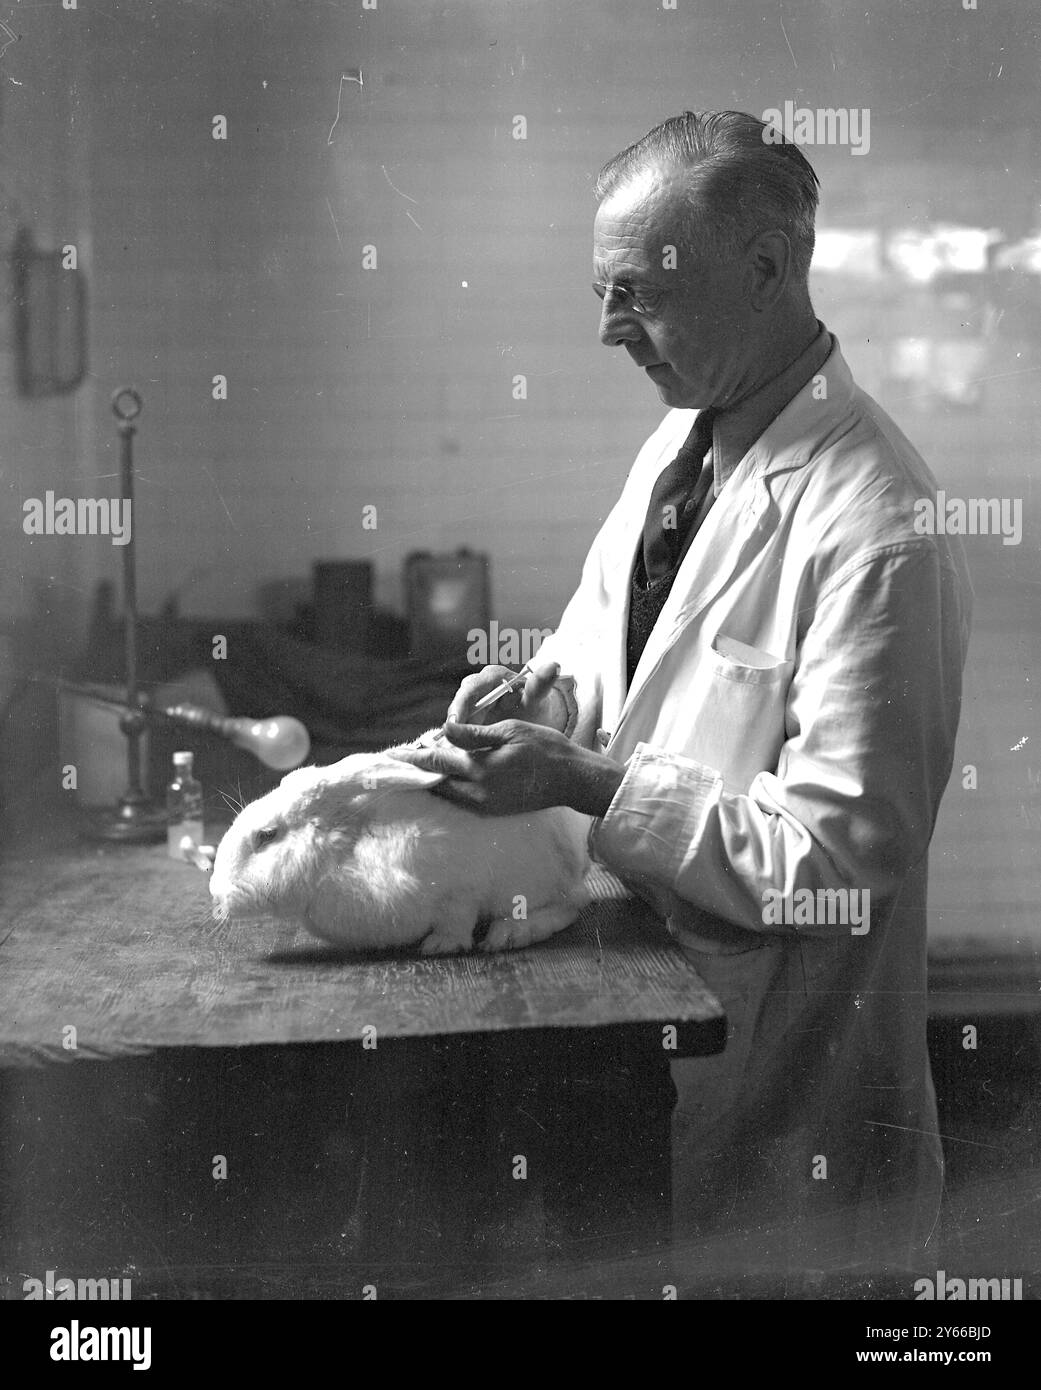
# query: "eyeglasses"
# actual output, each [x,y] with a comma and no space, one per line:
[625,298]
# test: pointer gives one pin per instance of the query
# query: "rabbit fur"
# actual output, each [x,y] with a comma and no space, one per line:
[365,857]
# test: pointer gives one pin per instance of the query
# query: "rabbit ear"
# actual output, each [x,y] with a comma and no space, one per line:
[397,773]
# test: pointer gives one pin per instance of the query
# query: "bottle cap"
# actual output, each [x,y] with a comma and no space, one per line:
[183,759]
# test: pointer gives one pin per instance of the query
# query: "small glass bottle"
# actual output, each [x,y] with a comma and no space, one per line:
[183,807]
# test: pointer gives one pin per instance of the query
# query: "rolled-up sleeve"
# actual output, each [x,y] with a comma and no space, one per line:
[870,722]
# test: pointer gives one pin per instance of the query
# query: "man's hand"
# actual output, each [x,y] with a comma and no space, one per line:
[536,701]
[511,767]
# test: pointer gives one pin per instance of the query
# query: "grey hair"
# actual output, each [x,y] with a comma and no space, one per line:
[738,182]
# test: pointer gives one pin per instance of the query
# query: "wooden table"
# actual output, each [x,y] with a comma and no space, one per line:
[515,1108]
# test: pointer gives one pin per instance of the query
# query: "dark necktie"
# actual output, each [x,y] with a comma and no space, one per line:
[676,499]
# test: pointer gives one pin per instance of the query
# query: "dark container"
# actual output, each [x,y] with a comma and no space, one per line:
[446,596]
[343,604]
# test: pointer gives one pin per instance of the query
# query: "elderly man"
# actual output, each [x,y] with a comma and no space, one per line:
[755,692]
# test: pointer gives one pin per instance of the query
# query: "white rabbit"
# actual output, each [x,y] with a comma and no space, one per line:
[364,856]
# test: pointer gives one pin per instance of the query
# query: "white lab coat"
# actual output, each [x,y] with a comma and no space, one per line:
[790,726]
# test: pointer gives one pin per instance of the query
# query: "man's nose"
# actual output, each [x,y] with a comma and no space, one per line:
[617,326]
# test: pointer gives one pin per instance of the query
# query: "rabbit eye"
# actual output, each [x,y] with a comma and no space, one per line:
[265,836]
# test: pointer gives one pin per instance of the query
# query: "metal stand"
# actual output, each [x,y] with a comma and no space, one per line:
[135,820]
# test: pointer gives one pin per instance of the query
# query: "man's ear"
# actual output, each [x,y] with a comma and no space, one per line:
[770,260]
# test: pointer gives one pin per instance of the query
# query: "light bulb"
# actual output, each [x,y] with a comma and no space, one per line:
[281,743]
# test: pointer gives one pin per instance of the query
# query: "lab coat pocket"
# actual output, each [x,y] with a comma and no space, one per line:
[739,661]
[745,692]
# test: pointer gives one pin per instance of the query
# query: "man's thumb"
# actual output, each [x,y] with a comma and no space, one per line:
[539,682]
[474,736]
